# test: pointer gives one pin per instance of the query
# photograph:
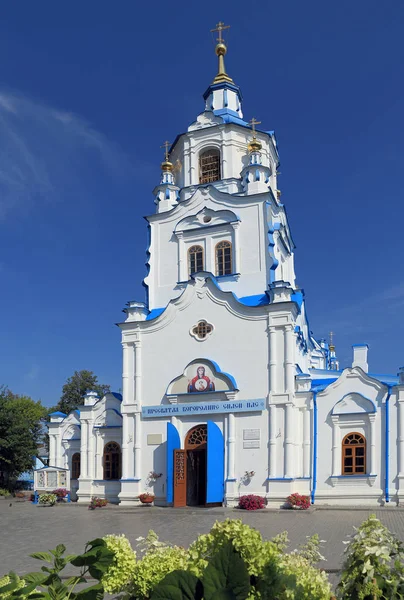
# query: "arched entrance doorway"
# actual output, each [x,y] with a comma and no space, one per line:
[195,475]
[195,447]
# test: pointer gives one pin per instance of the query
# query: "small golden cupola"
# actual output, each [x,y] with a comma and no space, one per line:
[166,194]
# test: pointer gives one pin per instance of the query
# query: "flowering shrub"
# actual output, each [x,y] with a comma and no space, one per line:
[61,493]
[159,559]
[121,571]
[247,541]
[7,580]
[298,500]
[47,499]
[251,502]
[97,503]
[374,564]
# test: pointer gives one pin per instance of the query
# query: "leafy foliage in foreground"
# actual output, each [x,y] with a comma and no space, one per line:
[47,584]
[231,562]
[374,564]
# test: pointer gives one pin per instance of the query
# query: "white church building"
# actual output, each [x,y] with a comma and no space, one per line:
[225,390]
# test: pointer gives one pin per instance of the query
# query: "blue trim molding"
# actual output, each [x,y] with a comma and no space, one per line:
[314,471]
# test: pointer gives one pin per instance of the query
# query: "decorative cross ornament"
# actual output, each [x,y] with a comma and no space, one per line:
[166,145]
[219,28]
[253,123]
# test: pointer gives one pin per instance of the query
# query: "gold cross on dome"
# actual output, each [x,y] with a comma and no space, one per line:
[253,123]
[219,28]
[331,338]
[166,145]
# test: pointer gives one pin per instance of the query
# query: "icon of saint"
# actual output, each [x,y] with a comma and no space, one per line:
[201,382]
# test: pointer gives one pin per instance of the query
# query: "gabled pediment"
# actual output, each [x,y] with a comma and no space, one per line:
[355,380]
[205,218]
[354,403]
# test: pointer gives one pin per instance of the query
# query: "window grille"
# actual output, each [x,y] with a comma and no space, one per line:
[202,330]
[112,461]
[209,166]
[195,259]
[354,454]
[76,465]
[224,261]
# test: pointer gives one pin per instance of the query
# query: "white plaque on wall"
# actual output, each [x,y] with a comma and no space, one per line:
[251,434]
[251,444]
[154,439]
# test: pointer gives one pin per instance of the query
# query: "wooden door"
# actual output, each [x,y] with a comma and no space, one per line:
[180,478]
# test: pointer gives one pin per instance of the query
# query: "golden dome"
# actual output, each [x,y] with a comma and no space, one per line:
[166,165]
[254,145]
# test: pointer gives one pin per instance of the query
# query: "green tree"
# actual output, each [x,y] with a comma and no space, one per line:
[76,387]
[21,430]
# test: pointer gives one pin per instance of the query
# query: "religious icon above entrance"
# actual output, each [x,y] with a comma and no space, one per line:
[201,382]
[201,376]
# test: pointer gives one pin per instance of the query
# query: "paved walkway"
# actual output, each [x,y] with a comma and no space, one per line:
[26,528]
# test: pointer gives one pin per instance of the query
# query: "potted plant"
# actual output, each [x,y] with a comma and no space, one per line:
[146,498]
[298,501]
[97,503]
[46,499]
[61,494]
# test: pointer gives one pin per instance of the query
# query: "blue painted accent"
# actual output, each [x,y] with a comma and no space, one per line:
[153,314]
[57,413]
[229,116]
[130,479]
[257,175]
[216,368]
[247,177]
[167,194]
[387,444]
[225,101]
[314,472]
[215,464]
[231,480]
[360,346]
[297,297]
[173,443]
[117,395]
[353,476]
[280,479]
[220,86]
[255,300]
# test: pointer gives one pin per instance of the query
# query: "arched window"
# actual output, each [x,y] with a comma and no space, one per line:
[354,454]
[112,461]
[195,259]
[209,166]
[76,465]
[224,261]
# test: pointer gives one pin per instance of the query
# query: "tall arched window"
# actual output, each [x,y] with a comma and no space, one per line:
[195,259]
[224,262]
[209,166]
[354,454]
[76,465]
[112,461]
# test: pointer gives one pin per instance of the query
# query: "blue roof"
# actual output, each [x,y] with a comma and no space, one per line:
[57,413]
[155,312]
[255,300]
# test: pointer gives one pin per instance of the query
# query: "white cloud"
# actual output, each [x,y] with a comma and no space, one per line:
[44,152]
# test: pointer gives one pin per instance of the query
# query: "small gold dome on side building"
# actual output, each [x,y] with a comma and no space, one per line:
[254,145]
[166,165]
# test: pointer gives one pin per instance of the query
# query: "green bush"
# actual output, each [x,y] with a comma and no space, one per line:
[121,571]
[374,564]
[47,499]
[4,492]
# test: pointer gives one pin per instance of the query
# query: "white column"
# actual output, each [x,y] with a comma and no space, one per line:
[137,447]
[182,259]
[336,447]
[272,360]
[306,442]
[272,440]
[52,450]
[58,450]
[99,452]
[231,441]
[125,457]
[236,249]
[138,373]
[83,451]
[289,446]
[289,360]
[90,452]
[372,466]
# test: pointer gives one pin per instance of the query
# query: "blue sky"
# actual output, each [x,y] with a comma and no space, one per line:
[88,93]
